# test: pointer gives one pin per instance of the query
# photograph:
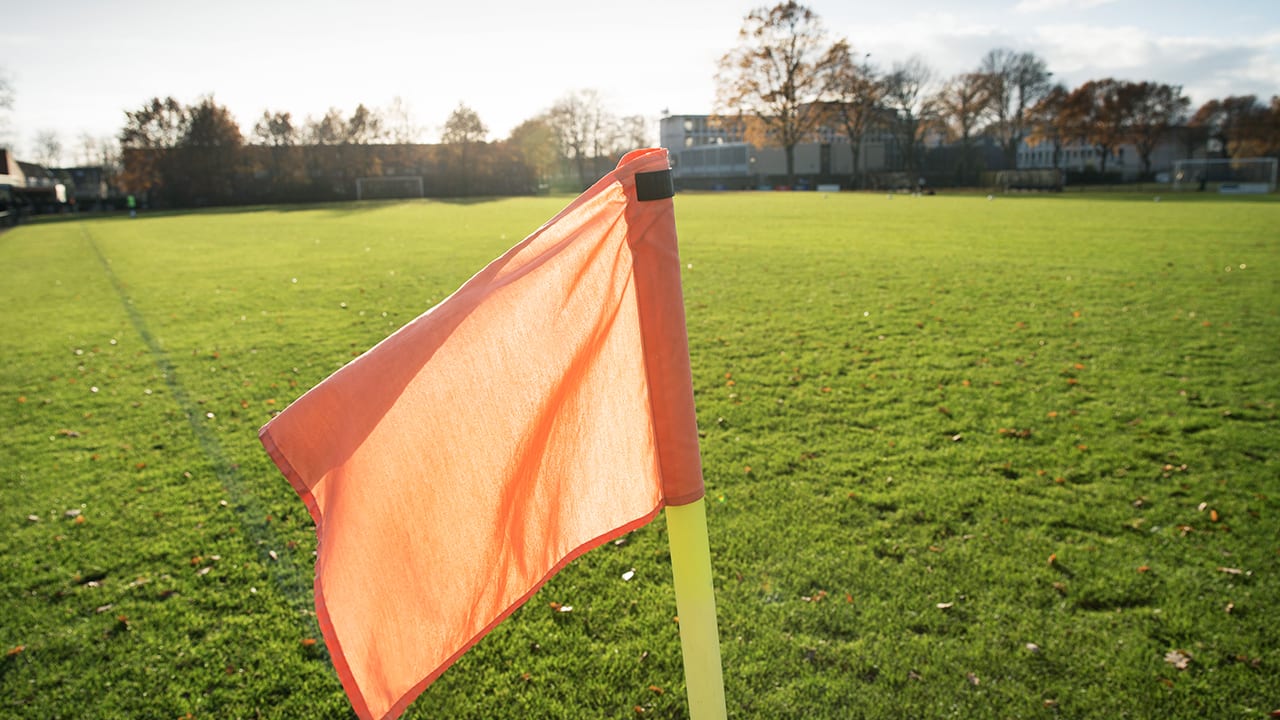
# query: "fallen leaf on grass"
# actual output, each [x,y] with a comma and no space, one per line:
[1230,570]
[656,689]
[1019,433]
[1144,568]
[308,642]
[15,650]
[1178,658]
[973,679]
[945,606]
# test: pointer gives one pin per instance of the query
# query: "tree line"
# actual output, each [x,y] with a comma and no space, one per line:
[196,154]
[787,80]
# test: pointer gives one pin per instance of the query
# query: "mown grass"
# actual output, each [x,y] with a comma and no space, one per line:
[965,458]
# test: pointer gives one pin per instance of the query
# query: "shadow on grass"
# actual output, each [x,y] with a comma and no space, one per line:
[1142,193]
[344,208]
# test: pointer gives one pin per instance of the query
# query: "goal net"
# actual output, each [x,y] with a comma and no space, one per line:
[1241,175]
[389,187]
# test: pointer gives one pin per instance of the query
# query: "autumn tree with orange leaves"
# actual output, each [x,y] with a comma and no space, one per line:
[772,83]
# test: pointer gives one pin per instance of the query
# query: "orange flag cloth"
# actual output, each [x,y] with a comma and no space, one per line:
[543,409]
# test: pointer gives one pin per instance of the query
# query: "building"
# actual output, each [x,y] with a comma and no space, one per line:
[709,155]
[1083,161]
[88,186]
[27,188]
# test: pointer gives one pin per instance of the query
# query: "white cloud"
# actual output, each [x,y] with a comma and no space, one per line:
[1039,6]
[1206,67]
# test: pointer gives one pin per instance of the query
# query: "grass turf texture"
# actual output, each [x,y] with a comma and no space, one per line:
[964,458]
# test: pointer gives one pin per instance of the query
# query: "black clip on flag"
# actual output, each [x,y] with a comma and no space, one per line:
[654,185]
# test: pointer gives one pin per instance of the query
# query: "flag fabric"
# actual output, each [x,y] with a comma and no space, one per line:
[544,408]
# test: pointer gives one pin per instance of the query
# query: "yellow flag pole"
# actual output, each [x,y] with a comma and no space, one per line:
[696,605]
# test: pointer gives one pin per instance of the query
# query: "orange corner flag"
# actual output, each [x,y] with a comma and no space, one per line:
[541,410]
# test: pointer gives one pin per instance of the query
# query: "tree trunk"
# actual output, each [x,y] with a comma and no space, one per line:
[855,175]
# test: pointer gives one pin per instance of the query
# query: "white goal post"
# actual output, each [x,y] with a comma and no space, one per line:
[389,187]
[1226,175]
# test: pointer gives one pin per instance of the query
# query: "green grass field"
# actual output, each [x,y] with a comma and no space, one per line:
[965,458]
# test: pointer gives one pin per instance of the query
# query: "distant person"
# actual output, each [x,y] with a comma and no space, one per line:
[1200,178]
[132,203]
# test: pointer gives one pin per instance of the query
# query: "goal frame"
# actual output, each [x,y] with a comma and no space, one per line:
[1187,172]
[362,181]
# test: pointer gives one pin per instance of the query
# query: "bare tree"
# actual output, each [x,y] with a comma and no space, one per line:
[328,130]
[87,149]
[364,127]
[275,129]
[855,93]
[584,131]
[906,93]
[773,81]
[6,104]
[398,123]
[633,133]
[48,148]
[1015,81]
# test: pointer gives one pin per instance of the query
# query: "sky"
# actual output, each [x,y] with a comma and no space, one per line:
[76,71]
